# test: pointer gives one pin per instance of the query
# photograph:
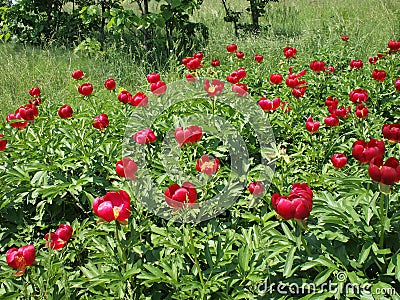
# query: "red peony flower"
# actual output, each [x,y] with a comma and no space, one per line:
[198,55]
[391,132]
[192,63]
[397,84]
[299,91]
[379,75]
[240,89]
[361,111]
[78,74]
[364,152]
[342,112]
[110,84]
[331,121]
[65,111]
[215,62]
[231,48]
[16,120]
[214,88]
[191,134]
[356,64]
[101,122]
[139,99]
[256,188]
[124,96]
[339,160]
[59,239]
[20,258]
[394,45]
[85,89]
[289,52]
[268,105]
[386,173]
[258,58]
[206,165]
[126,167]
[297,205]
[34,92]
[312,126]
[3,143]
[240,54]
[153,78]
[373,59]
[144,136]
[317,66]
[275,78]
[113,206]
[331,103]
[190,77]
[158,88]
[178,197]
[358,96]
[28,112]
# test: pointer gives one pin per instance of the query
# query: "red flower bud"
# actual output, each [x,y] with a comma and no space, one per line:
[339,160]
[153,78]
[297,205]
[256,188]
[126,167]
[139,99]
[144,136]
[85,89]
[78,74]
[317,66]
[379,75]
[191,134]
[110,84]
[258,58]
[34,92]
[158,88]
[356,64]
[124,96]
[65,111]
[289,52]
[231,48]
[312,126]
[275,78]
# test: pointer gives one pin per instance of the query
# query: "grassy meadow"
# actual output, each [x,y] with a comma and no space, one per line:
[311,26]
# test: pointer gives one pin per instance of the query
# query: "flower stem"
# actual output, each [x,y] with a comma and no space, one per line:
[119,244]
[383,219]
[193,252]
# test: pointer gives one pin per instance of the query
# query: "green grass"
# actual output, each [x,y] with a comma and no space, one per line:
[312,27]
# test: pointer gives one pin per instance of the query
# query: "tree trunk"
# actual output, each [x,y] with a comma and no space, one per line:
[103,24]
[254,15]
